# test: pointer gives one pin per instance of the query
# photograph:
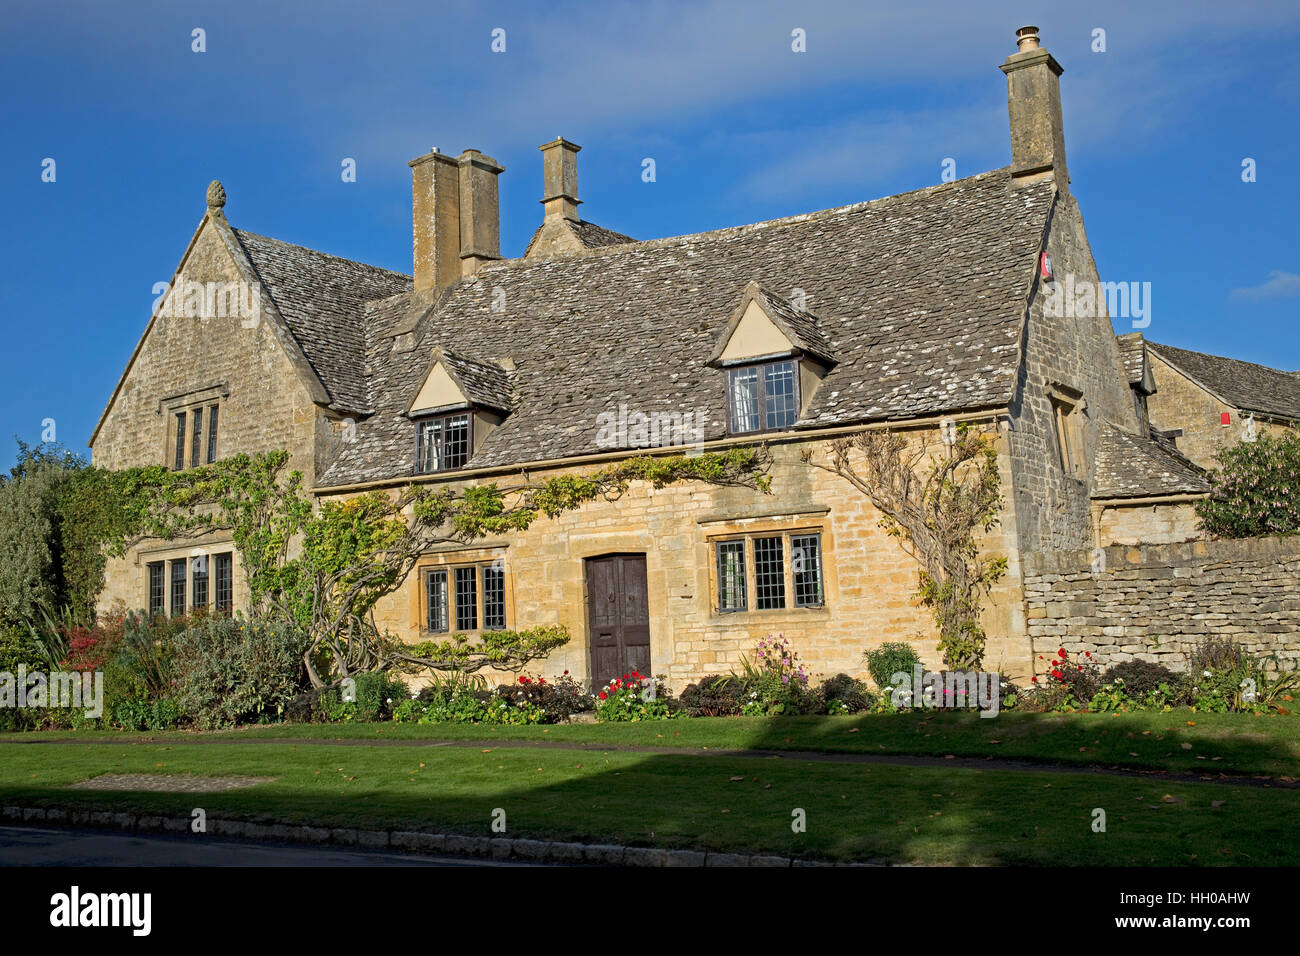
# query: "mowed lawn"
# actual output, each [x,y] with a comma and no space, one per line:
[858,811]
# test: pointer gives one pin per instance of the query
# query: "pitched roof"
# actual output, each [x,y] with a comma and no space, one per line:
[1130,466]
[921,295]
[800,327]
[321,298]
[1243,385]
[481,383]
[589,234]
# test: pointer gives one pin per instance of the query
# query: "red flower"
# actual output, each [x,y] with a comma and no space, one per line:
[1061,652]
[1033,680]
[1080,667]
[1057,674]
[602,695]
[1087,653]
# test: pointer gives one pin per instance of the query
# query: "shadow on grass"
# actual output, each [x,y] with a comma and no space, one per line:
[856,811]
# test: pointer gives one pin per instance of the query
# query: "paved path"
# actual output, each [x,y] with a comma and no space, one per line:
[38,846]
[815,756]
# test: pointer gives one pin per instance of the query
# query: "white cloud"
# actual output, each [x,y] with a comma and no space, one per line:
[1279,285]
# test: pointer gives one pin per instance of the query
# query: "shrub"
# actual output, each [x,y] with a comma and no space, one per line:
[1217,654]
[632,698]
[229,670]
[775,681]
[1139,678]
[1256,489]
[714,696]
[853,694]
[888,659]
[558,700]
[376,693]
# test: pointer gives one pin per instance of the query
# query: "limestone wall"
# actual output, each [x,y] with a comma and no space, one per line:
[1155,601]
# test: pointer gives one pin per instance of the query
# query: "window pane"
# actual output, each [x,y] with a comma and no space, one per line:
[212,434]
[436,582]
[199,583]
[196,441]
[178,588]
[778,395]
[179,461]
[466,599]
[455,442]
[744,400]
[731,576]
[157,591]
[494,598]
[806,559]
[224,582]
[769,573]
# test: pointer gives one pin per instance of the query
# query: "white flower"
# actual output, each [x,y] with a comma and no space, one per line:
[1205,674]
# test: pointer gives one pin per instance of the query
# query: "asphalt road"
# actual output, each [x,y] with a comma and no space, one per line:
[39,846]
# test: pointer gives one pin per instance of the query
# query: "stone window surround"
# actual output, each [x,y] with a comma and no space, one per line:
[786,527]
[1068,406]
[448,561]
[172,405]
[167,555]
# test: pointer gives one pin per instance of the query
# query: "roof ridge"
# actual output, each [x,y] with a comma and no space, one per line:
[743,228]
[1221,358]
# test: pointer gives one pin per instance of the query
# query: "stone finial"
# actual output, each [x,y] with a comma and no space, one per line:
[216,194]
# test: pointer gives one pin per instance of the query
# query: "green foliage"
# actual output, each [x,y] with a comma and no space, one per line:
[376,694]
[231,671]
[633,697]
[775,680]
[843,694]
[458,655]
[1256,490]
[1139,678]
[890,658]
[714,696]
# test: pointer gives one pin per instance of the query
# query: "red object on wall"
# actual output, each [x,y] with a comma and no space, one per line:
[1225,418]
[1045,266]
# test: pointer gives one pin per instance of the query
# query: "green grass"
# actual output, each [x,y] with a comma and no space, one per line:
[854,811]
[1178,741]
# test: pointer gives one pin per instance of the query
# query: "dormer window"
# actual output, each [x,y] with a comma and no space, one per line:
[443,442]
[763,396]
[774,354]
[460,402]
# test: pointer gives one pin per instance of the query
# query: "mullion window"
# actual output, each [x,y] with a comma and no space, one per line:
[731,576]
[436,585]
[467,598]
[179,460]
[769,573]
[494,598]
[224,583]
[442,443]
[212,434]
[806,559]
[157,587]
[763,397]
[178,588]
[196,440]
[199,583]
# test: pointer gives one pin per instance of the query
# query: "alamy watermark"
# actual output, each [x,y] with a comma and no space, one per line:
[209,300]
[947,689]
[1072,298]
[68,689]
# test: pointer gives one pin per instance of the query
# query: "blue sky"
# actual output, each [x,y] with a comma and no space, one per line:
[741,129]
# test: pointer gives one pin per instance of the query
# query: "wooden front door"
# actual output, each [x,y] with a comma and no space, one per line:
[618,617]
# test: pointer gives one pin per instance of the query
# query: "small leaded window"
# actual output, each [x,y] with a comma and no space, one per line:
[442,443]
[731,576]
[212,434]
[467,599]
[763,397]
[436,585]
[157,589]
[178,588]
[179,461]
[223,583]
[199,583]
[196,440]
[494,598]
[769,573]
[806,559]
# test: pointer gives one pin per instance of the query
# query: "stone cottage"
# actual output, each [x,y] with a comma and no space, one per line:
[909,312]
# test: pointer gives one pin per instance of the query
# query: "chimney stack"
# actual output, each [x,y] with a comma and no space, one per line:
[560,179]
[455,216]
[1034,105]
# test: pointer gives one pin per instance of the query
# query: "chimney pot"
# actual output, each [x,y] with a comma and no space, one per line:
[1034,107]
[1027,38]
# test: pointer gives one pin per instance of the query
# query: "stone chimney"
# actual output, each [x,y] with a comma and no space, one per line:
[560,179]
[1034,104]
[455,216]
